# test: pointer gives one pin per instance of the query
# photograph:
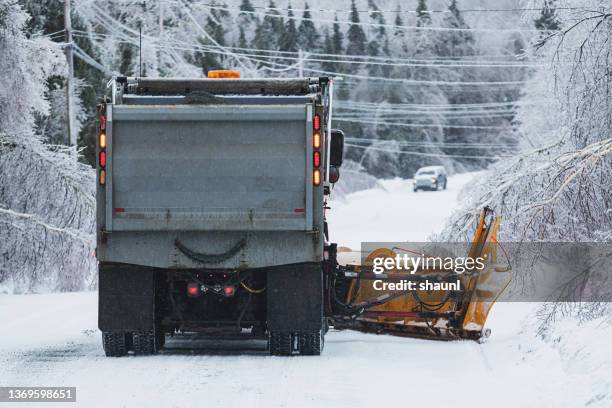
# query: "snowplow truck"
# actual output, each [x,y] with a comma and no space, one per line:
[211,198]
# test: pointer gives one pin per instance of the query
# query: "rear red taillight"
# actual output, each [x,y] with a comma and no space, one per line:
[193,289]
[316,159]
[229,291]
[103,158]
[317,122]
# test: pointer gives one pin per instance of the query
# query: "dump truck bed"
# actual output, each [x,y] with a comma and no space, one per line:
[209,171]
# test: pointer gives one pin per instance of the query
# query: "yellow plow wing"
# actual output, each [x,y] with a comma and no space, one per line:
[457,310]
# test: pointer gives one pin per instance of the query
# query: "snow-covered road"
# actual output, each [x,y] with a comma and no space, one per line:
[52,340]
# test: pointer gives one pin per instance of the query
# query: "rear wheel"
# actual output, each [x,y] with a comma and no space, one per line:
[311,343]
[114,344]
[145,342]
[280,344]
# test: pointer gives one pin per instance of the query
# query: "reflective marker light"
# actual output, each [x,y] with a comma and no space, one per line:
[102,177]
[316,140]
[102,140]
[102,159]
[103,123]
[316,177]
[317,159]
[317,122]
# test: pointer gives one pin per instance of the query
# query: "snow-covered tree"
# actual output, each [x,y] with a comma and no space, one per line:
[356,37]
[308,36]
[46,197]
[215,28]
[289,41]
[378,44]
[547,19]
[559,188]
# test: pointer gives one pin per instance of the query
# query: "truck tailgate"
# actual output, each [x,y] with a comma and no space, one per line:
[209,167]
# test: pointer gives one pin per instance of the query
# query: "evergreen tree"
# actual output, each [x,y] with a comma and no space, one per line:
[308,37]
[337,38]
[453,43]
[328,48]
[356,36]
[205,60]
[245,5]
[247,23]
[399,46]
[289,41]
[548,18]
[379,43]
[269,33]
[424,44]
[423,17]
[333,45]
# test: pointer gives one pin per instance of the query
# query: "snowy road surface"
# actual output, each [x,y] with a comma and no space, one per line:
[52,340]
[395,214]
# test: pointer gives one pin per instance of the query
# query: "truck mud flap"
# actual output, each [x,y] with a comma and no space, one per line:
[126,298]
[295,298]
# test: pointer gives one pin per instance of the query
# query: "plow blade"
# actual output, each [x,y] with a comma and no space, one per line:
[453,305]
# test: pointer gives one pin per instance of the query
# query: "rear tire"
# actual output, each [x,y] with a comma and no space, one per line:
[114,344]
[280,344]
[145,342]
[311,343]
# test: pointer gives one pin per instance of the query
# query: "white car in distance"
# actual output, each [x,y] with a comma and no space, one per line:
[430,178]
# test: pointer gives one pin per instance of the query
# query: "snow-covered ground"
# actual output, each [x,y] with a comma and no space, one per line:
[394,213]
[52,339]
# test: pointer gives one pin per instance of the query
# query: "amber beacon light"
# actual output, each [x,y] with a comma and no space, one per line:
[223,74]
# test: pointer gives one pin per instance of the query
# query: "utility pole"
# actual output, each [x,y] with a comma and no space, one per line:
[72,137]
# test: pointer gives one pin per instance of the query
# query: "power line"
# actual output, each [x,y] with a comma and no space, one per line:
[394,26]
[390,62]
[418,81]
[356,59]
[415,125]
[412,153]
[286,67]
[449,145]
[88,59]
